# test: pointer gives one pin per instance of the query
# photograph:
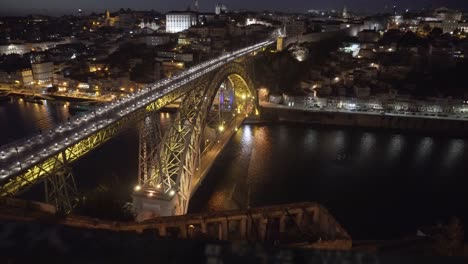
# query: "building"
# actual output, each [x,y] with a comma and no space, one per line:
[126,21]
[110,20]
[23,48]
[26,77]
[368,36]
[148,24]
[345,14]
[180,21]
[220,9]
[42,72]
[156,40]
[295,28]
[445,14]
[181,57]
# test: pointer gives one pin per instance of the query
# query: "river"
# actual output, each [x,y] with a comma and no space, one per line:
[377,183]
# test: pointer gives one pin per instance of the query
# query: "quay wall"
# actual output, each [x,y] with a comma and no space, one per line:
[363,120]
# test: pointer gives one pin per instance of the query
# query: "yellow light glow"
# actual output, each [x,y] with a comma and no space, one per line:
[221,128]
[244,96]
[137,188]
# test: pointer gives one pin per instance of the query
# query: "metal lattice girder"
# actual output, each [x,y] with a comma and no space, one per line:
[61,191]
[176,152]
[49,165]
[150,139]
[55,163]
[179,154]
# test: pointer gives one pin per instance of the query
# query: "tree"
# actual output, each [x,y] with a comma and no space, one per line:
[436,33]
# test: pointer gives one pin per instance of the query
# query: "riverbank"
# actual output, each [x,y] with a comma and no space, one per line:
[376,121]
[52,96]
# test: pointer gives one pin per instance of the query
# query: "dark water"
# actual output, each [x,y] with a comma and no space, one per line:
[19,118]
[378,184]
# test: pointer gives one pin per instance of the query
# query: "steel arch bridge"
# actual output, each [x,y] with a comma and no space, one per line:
[167,162]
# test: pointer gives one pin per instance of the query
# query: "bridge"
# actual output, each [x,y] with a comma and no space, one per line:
[215,95]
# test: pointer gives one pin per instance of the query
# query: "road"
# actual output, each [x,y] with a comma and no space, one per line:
[447,116]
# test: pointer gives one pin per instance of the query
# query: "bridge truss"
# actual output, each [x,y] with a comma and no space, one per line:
[168,163]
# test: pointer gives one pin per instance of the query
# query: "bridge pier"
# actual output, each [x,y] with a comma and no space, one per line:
[61,191]
[148,205]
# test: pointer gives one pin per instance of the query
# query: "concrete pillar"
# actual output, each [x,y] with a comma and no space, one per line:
[315,214]
[243,228]
[262,228]
[183,231]
[299,218]
[282,223]
[203,227]
[248,229]
[224,230]
[162,231]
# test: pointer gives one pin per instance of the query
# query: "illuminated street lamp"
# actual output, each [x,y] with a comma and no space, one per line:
[137,188]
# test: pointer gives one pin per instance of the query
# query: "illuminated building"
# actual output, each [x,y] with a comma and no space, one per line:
[180,21]
[43,72]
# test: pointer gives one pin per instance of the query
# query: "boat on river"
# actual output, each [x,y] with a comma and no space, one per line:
[33,99]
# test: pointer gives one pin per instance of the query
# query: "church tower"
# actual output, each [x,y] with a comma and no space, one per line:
[345,12]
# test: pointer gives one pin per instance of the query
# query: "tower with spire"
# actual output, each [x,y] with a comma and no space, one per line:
[196,8]
[345,12]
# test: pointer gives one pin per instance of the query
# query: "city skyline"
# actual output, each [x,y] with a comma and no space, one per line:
[53,7]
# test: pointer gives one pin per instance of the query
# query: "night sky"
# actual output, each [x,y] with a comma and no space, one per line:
[13,7]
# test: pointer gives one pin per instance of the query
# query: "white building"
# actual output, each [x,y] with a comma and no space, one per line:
[147,24]
[28,47]
[180,21]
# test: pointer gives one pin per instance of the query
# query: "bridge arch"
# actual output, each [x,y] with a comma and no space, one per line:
[175,165]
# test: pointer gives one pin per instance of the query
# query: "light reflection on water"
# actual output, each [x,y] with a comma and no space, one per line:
[455,151]
[24,118]
[423,150]
[395,147]
[385,185]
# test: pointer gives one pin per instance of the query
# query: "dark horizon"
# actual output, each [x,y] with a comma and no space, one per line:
[66,7]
